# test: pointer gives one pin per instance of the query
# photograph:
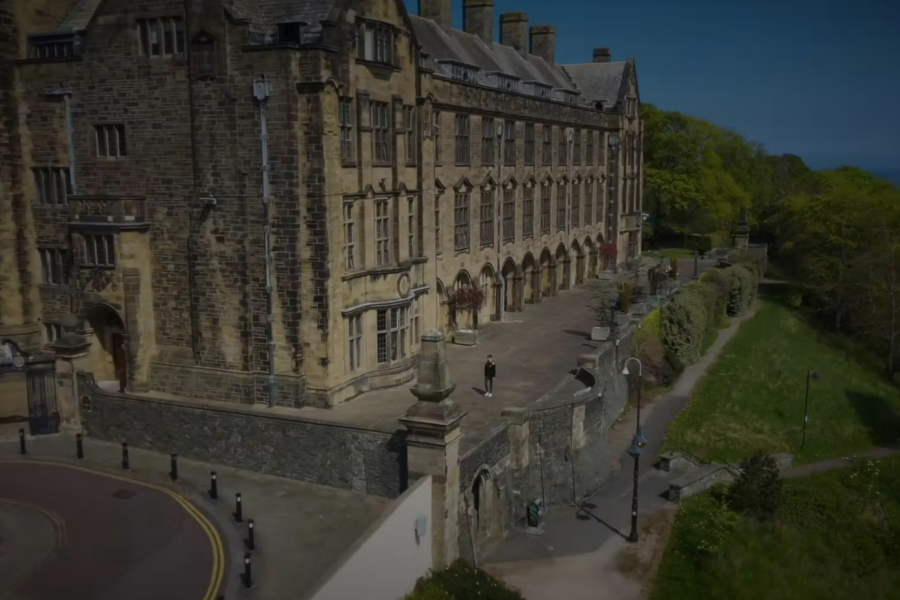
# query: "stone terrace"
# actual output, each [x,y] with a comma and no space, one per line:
[535,351]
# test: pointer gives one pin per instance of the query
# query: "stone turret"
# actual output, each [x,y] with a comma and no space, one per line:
[432,445]
[741,233]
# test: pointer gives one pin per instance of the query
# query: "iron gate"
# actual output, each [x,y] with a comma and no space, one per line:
[43,415]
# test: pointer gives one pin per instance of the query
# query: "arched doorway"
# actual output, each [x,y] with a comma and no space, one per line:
[482,506]
[563,268]
[487,280]
[590,251]
[604,259]
[444,322]
[530,281]
[579,262]
[510,285]
[108,357]
[464,320]
[548,273]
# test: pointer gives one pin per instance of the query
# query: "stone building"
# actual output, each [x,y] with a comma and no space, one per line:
[269,201]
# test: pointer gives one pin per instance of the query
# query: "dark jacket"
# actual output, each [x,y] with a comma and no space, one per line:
[490,370]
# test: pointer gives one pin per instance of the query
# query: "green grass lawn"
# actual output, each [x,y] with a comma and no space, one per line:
[673,252]
[836,536]
[752,399]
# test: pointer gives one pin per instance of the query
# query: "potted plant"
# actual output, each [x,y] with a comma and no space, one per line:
[467,301]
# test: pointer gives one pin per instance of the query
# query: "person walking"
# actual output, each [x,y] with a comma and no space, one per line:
[490,371]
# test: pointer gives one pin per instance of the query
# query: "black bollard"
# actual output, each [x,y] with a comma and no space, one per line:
[79,444]
[22,449]
[125,463]
[248,571]
[251,537]
[174,472]
[213,486]
[238,509]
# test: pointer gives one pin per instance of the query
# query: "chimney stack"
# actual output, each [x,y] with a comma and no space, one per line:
[439,11]
[602,55]
[543,42]
[478,19]
[514,31]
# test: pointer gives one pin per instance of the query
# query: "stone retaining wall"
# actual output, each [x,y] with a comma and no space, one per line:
[372,462]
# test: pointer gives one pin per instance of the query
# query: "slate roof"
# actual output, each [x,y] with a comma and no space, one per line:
[81,15]
[467,48]
[600,82]
[595,81]
[266,14]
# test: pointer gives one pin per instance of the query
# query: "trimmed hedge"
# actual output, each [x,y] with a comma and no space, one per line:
[462,581]
[702,307]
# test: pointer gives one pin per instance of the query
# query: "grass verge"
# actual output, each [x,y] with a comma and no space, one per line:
[753,397]
[835,536]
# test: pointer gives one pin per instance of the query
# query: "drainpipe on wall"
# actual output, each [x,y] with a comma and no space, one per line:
[569,186]
[501,301]
[262,89]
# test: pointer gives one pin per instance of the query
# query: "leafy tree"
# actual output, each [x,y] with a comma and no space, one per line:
[757,491]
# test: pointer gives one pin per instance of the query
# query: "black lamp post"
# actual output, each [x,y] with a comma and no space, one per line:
[810,375]
[637,443]
[696,265]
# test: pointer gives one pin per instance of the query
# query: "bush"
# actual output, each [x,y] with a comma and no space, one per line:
[683,325]
[704,525]
[757,491]
[427,590]
[463,581]
[696,312]
[742,292]
[651,351]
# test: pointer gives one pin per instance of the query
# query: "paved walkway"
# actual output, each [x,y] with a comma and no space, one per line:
[115,539]
[534,351]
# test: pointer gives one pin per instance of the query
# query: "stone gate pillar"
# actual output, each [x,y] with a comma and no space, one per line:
[432,445]
[71,358]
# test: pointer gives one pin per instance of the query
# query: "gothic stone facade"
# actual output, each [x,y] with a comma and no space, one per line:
[265,203]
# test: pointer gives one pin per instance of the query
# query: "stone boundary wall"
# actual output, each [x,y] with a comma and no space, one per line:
[362,460]
[557,451]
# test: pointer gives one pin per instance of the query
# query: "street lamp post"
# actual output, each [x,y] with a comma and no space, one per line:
[810,375]
[501,302]
[635,450]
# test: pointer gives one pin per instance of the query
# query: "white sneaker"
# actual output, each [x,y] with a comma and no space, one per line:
[490,394]
[486,394]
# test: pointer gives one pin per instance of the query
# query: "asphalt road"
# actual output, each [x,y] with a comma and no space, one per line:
[118,538]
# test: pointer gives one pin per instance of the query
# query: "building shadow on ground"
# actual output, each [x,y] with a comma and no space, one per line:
[879,417]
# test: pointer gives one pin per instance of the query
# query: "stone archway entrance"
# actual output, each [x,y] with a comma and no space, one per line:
[108,357]
[444,321]
[579,262]
[531,280]
[563,267]
[511,283]
[548,273]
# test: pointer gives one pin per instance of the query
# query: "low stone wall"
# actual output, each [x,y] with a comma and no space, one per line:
[698,479]
[372,462]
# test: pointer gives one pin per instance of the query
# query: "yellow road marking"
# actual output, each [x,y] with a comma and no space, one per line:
[58,524]
[215,540]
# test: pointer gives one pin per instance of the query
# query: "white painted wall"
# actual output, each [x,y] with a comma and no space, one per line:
[386,561]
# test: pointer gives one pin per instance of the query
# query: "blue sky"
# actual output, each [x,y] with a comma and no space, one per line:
[817,78]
